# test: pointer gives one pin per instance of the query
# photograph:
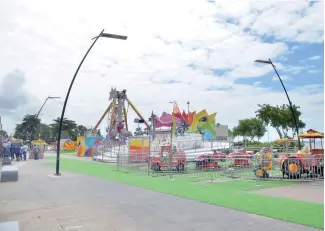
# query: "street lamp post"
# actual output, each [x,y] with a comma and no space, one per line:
[285,90]
[101,34]
[172,123]
[38,113]
[49,97]
[140,121]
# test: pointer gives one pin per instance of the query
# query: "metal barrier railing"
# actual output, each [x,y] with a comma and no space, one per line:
[219,169]
[213,167]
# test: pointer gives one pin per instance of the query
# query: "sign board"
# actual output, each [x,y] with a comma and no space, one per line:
[222,133]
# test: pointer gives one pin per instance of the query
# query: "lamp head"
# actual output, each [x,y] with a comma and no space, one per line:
[263,61]
[52,97]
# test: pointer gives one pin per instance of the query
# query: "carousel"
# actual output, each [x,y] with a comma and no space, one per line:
[312,136]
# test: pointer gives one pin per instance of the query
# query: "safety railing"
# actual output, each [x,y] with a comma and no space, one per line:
[211,168]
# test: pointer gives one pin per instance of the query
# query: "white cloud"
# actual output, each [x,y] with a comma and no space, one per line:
[296,69]
[316,57]
[46,41]
[314,71]
[283,77]
[296,22]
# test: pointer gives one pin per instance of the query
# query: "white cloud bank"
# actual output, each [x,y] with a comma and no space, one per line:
[181,41]
[316,57]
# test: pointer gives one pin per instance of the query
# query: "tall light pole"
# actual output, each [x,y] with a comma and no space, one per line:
[285,90]
[38,113]
[172,124]
[49,97]
[101,34]
[174,103]
[188,107]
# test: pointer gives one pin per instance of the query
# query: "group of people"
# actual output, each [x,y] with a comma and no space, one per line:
[15,150]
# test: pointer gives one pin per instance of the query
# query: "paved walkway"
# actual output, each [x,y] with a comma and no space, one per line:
[305,191]
[42,202]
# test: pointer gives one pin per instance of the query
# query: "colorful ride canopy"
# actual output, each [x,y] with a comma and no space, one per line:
[191,122]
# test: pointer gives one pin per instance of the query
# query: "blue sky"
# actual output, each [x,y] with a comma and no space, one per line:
[306,71]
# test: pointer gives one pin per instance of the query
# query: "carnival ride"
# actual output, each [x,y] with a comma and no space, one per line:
[117,130]
[209,160]
[263,163]
[168,159]
[191,122]
[180,129]
[312,136]
[310,162]
[69,145]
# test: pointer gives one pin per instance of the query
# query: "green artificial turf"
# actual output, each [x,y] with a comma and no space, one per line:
[231,194]
[65,152]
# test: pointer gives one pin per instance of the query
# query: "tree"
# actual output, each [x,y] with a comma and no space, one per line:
[258,128]
[230,133]
[4,134]
[27,127]
[251,127]
[138,131]
[280,118]
[80,130]
[289,121]
[146,131]
[45,132]
[69,126]
[242,129]
[99,133]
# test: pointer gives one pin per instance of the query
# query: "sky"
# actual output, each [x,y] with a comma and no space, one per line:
[185,50]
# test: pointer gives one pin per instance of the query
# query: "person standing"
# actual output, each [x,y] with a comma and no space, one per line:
[3,150]
[7,149]
[24,150]
[12,151]
[17,152]
[36,151]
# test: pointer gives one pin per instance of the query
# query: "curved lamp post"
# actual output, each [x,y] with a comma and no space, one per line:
[38,113]
[101,34]
[285,90]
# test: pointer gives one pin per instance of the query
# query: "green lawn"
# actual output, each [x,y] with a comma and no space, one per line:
[232,194]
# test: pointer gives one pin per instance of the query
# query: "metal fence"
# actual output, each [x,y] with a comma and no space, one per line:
[209,169]
[201,165]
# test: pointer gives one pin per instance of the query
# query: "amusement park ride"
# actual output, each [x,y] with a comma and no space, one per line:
[117,129]
[164,151]
[309,162]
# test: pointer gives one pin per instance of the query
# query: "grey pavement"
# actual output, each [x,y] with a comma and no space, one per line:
[305,191]
[42,202]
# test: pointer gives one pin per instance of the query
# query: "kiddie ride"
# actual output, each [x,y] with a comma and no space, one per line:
[212,160]
[209,160]
[168,159]
[240,158]
[294,166]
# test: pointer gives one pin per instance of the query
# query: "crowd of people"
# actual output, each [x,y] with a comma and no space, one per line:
[16,151]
